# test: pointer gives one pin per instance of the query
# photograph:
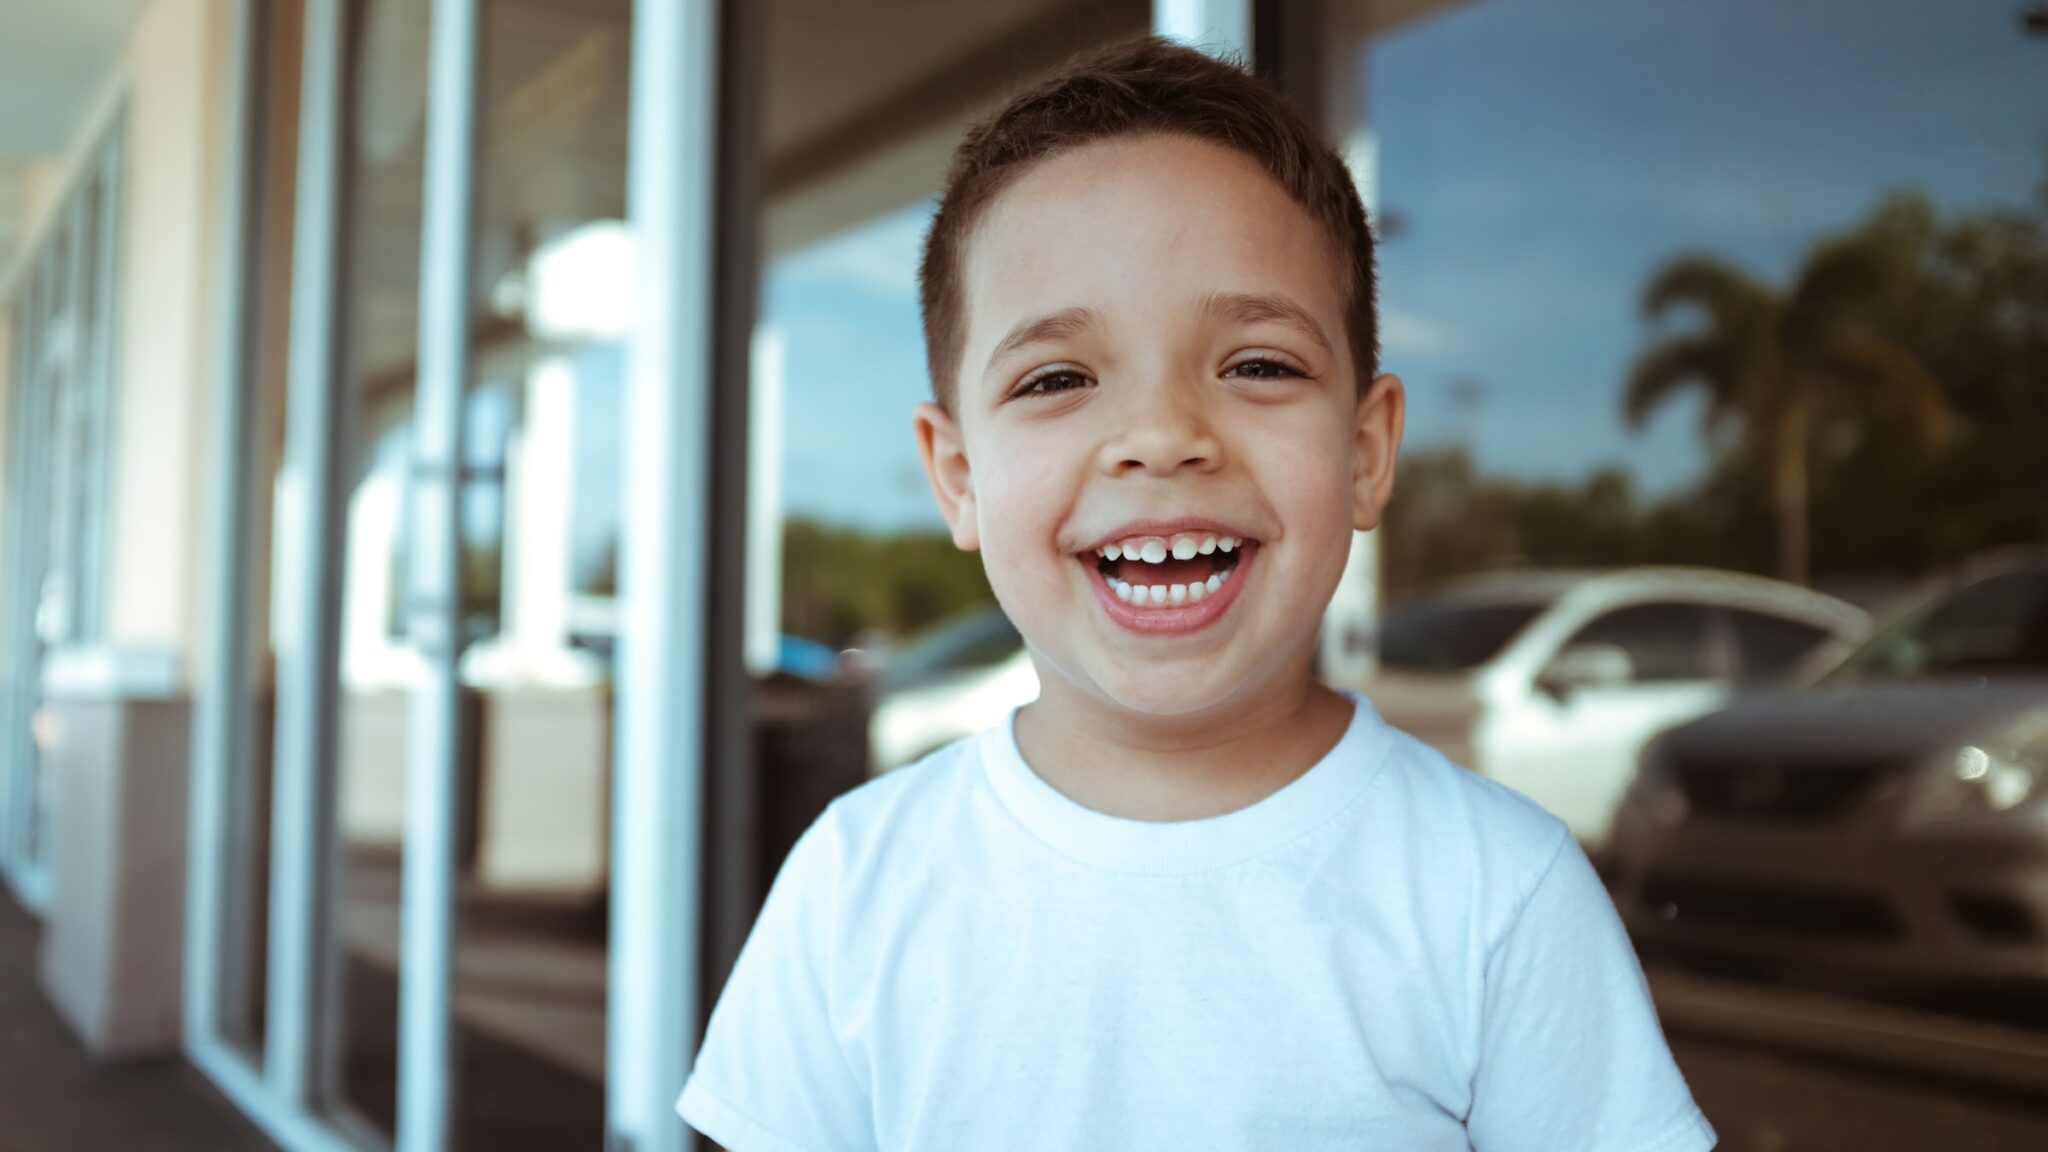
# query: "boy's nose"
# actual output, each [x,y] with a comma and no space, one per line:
[1161,437]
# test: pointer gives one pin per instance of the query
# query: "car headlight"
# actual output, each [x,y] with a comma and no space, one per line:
[1996,775]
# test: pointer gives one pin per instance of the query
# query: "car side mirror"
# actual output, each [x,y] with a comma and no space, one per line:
[1586,666]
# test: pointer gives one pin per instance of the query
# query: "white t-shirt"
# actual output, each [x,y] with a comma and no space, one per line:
[1387,953]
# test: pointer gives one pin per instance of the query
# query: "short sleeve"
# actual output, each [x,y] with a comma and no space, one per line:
[1571,1054]
[772,1075]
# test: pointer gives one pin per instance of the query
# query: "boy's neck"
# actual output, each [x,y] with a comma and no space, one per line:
[1183,767]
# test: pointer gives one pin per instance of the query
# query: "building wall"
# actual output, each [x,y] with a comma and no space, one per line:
[176,69]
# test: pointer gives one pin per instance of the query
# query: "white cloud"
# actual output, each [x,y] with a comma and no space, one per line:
[1405,333]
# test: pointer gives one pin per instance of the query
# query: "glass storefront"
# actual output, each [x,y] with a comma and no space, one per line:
[1756,289]
[63,347]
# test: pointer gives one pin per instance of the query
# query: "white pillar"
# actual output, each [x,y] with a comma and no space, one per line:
[433,603]
[664,590]
[302,799]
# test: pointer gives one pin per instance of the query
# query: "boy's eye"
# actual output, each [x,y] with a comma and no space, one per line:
[1262,368]
[1057,380]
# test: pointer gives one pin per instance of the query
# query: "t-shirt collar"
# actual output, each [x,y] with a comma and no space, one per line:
[1178,847]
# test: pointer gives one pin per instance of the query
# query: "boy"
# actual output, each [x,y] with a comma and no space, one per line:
[1189,898]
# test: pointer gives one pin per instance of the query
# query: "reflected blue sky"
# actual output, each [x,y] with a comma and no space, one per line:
[1543,157]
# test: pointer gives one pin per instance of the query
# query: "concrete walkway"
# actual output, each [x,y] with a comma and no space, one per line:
[53,1098]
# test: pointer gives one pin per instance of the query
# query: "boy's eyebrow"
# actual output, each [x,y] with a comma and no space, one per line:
[1259,308]
[1053,326]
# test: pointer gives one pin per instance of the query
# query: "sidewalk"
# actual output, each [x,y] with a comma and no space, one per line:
[54,1099]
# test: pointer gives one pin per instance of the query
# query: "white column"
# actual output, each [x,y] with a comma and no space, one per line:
[426,1056]
[302,801]
[659,765]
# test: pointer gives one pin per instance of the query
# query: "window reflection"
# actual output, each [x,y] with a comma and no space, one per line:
[1729,287]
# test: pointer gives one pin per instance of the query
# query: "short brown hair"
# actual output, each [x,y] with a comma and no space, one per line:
[1141,87]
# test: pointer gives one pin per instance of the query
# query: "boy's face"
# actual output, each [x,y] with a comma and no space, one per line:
[1156,362]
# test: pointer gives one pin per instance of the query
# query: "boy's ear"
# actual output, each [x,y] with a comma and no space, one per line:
[1382,412]
[945,465]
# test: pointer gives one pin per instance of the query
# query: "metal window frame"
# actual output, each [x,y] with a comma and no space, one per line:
[292,1093]
[96,497]
[303,867]
[39,395]
[426,1056]
[683,888]
[277,1091]
[220,813]
[16,626]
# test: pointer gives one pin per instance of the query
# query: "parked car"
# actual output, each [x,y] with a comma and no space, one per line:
[1551,682]
[1891,820]
[956,680]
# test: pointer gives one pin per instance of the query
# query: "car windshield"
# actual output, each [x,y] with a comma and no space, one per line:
[963,644]
[1452,634]
[1996,626]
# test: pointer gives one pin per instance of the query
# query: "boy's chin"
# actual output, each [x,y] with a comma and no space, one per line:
[1163,695]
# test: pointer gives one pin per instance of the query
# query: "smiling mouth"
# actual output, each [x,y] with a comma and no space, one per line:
[1169,571]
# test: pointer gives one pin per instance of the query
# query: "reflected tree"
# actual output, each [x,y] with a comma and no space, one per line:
[1774,362]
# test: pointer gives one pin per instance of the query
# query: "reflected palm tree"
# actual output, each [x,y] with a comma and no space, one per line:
[1772,362]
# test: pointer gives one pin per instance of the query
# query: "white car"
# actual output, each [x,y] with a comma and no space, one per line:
[1552,682]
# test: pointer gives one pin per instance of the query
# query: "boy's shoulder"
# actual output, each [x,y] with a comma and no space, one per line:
[1467,841]
[1457,806]
[942,776]
[913,801]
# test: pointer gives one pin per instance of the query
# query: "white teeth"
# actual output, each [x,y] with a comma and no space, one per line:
[1147,594]
[1155,549]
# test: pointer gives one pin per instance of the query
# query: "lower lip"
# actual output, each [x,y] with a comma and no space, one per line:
[1172,619]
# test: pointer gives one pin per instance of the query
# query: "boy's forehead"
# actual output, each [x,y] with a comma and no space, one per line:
[1136,227]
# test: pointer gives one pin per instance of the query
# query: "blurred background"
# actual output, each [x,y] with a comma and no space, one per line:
[335,637]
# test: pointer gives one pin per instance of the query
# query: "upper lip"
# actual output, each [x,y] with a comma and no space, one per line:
[1169,528]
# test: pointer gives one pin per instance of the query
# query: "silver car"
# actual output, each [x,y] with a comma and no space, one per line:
[1891,820]
[1552,682]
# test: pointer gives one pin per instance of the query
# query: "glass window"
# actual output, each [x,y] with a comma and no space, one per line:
[57,523]
[978,640]
[1450,636]
[1663,641]
[1996,626]
[1770,646]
